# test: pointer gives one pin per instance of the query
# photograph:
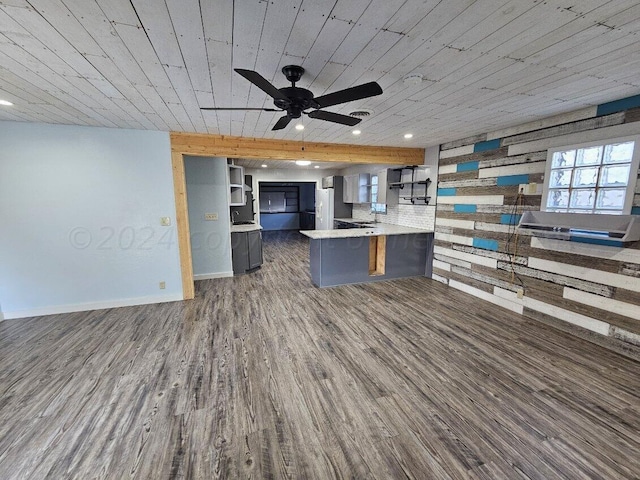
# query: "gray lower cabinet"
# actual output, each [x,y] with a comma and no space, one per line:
[255,248]
[246,250]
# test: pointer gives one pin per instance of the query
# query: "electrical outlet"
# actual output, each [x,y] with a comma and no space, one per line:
[165,221]
[163,285]
[520,293]
[529,189]
[211,216]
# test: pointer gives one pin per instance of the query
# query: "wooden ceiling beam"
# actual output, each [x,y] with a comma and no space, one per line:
[245,147]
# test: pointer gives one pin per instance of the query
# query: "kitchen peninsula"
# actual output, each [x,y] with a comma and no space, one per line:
[377,252]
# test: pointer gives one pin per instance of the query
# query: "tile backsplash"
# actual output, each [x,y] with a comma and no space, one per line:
[418,216]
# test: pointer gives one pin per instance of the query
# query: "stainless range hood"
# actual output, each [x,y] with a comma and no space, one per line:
[328,182]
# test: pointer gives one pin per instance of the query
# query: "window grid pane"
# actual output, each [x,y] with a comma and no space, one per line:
[618,153]
[588,180]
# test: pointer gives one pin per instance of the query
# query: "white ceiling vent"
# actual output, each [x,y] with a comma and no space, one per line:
[362,113]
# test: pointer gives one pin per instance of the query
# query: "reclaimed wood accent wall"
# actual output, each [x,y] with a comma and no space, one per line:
[486,182]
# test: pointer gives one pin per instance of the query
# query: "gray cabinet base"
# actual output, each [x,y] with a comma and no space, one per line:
[246,251]
[341,261]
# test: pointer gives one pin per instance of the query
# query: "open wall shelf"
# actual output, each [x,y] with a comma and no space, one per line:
[236,185]
[414,179]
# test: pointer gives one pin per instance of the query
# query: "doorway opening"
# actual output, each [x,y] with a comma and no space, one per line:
[234,147]
[287,205]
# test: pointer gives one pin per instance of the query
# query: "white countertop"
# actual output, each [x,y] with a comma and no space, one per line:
[245,228]
[375,229]
[350,220]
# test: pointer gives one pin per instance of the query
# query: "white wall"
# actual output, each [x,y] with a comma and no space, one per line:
[80,211]
[297,174]
[208,192]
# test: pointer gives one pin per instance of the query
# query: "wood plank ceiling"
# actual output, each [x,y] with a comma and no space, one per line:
[148,64]
[291,165]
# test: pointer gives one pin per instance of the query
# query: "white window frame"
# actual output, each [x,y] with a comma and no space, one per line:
[633,172]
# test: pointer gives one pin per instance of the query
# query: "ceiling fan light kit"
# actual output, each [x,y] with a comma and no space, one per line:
[295,101]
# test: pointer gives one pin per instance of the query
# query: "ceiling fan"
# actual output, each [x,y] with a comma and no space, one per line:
[295,100]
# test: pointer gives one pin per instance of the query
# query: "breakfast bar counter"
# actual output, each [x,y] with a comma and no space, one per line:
[362,255]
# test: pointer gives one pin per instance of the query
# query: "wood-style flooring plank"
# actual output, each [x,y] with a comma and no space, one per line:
[266,376]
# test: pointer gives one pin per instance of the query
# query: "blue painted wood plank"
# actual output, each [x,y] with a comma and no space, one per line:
[597,241]
[618,105]
[512,180]
[461,208]
[447,192]
[488,145]
[485,244]
[510,219]
[467,166]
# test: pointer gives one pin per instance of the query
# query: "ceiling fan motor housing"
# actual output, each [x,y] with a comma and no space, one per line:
[298,99]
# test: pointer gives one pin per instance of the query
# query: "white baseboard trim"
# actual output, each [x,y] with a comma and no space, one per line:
[83,307]
[210,276]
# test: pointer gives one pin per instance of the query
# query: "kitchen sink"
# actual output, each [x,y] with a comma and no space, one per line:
[355,224]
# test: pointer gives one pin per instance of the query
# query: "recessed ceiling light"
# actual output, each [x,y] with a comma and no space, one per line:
[264,166]
[299,126]
[6,103]
[356,132]
[408,135]
[316,166]
[303,163]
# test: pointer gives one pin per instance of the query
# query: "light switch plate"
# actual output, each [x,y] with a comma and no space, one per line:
[165,221]
[211,216]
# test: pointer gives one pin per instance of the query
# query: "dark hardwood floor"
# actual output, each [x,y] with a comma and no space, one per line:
[266,376]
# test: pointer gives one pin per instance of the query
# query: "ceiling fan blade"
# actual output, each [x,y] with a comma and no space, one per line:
[358,92]
[262,83]
[335,117]
[283,122]
[239,108]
